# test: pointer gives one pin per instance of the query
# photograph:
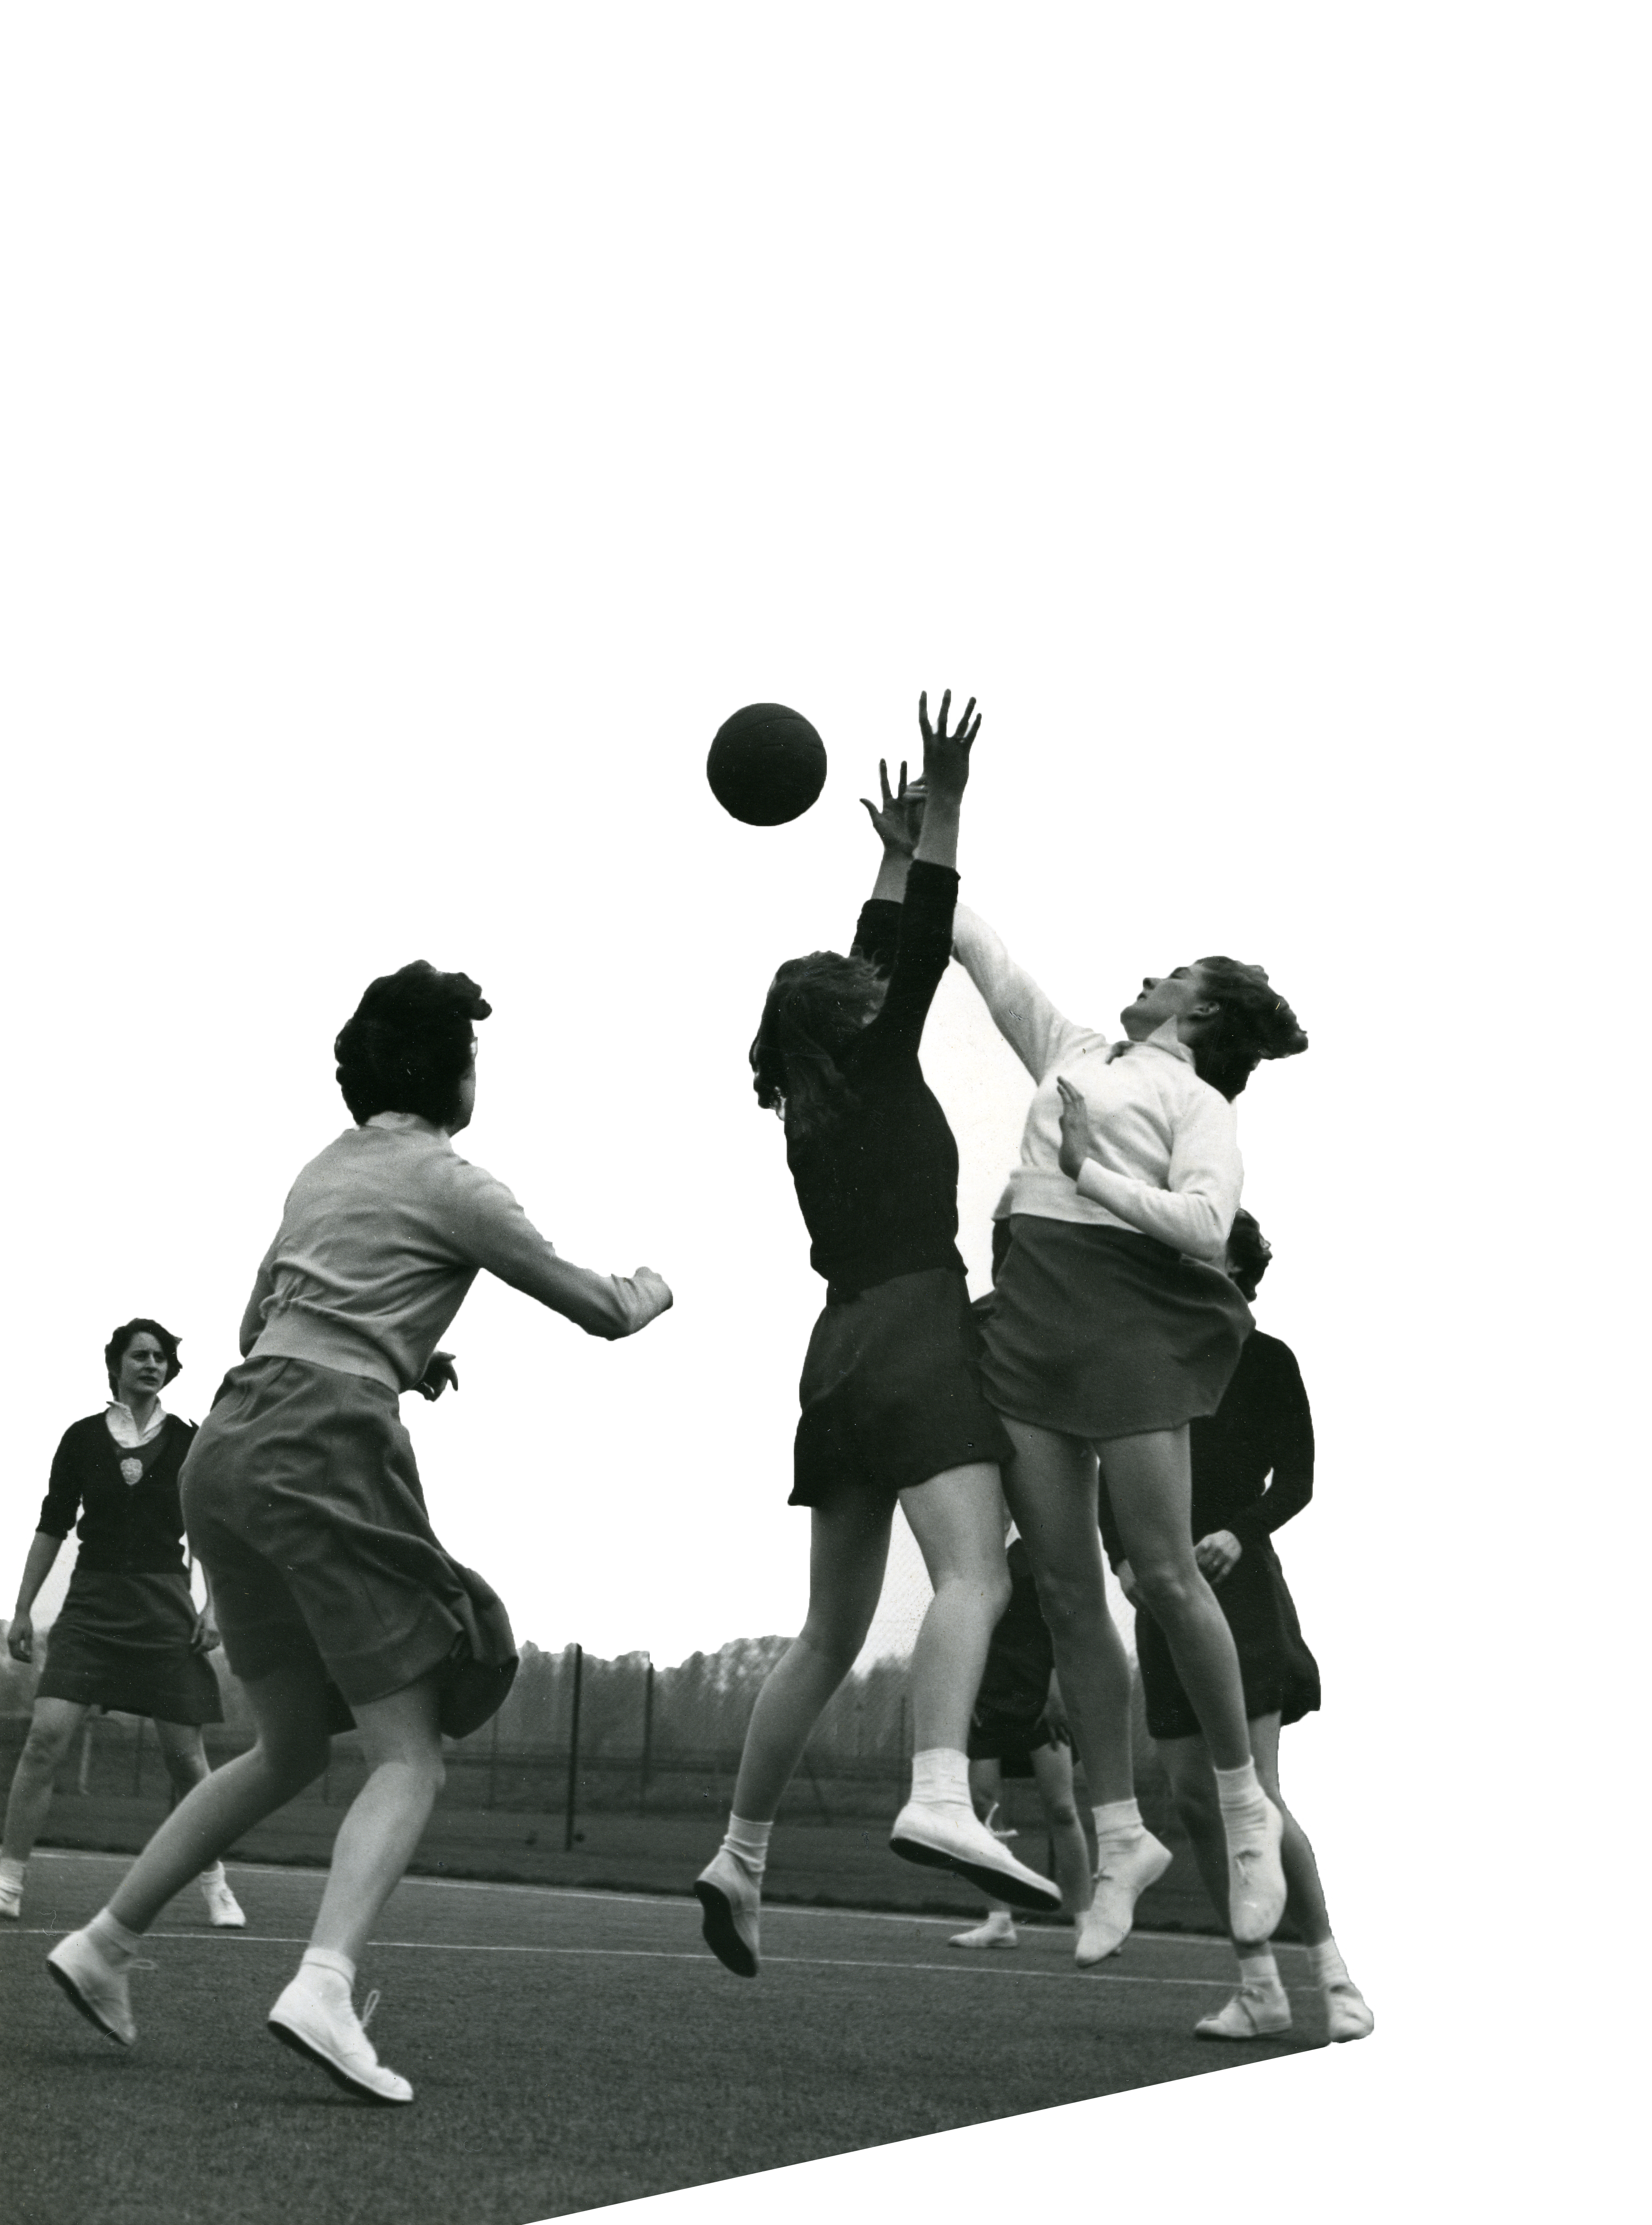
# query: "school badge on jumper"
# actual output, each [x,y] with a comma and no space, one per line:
[132,1470]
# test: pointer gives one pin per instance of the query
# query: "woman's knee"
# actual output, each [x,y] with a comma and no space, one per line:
[1171,1587]
[46,1745]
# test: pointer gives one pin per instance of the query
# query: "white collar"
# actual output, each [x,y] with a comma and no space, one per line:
[1163,1037]
[124,1430]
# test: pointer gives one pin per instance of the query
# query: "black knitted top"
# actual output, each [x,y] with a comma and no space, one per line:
[878,1186]
[126,1528]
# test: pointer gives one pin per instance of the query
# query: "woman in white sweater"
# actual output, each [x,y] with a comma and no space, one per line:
[1108,1334]
[335,1598]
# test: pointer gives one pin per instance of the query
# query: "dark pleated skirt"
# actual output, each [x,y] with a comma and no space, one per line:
[303,1503]
[1098,1332]
[1281,1676]
[891,1390]
[122,1642]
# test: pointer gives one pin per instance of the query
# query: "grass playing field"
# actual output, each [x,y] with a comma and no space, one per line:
[567,2050]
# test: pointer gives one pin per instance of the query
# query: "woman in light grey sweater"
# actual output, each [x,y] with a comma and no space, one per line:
[335,1598]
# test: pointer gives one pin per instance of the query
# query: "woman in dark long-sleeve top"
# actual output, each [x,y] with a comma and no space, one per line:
[892,1406]
[1253,1470]
[128,1637]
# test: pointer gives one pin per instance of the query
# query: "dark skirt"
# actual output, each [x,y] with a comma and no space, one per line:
[891,1392]
[1280,1677]
[1098,1332]
[1011,1740]
[304,1505]
[122,1642]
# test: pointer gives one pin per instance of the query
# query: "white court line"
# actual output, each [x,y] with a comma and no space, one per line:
[981,1970]
[624,1900]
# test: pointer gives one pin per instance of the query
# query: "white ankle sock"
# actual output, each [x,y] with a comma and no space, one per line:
[328,1970]
[11,1873]
[940,1778]
[1327,1965]
[1258,1967]
[1119,1822]
[748,1842]
[119,1944]
[1238,1788]
[214,1876]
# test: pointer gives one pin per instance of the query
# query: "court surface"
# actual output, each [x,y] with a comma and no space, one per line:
[567,2050]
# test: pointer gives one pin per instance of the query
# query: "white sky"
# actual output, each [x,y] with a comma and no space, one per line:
[424,427]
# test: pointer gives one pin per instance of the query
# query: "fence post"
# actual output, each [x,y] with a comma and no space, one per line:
[648,1736]
[573,1750]
[493,1758]
[137,1757]
[85,1786]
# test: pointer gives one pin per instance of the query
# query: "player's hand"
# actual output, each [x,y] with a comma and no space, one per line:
[1217,1555]
[20,1637]
[1055,1718]
[899,821]
[654,1291]
[204,1637]
[1075,1130]
[1127,1584]
[947,757]
[438,1376]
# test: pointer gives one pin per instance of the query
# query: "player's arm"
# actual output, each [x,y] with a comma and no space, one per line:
[37,1566]
[1291,1484]
[1194,1211]
[491,1230]
[897,822]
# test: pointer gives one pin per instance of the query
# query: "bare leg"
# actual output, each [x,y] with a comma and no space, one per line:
[289,1707]
[1187,1765]
[958,1520]
[1304,1901]
[986,1789]
[53,1726]
[1053,1768]
[402,1738]
[1051,1489]
[184,1752]
[1150,1481]
[848,1547]
[1192,1787]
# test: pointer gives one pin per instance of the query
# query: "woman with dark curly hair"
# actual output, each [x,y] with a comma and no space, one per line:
[335,1597]
[1111,1328]
[1253,1470]
[891,1403]
[128,1638]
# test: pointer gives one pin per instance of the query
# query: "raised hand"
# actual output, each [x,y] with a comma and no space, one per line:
[900,820]
[1075,1129]
[947,757]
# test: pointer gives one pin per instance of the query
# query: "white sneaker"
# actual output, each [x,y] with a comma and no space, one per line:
[732,1900]
[953,1837]
[329,2034]
[95,1985]
[1124,1876]
[1345,2014]
[11,1899]
[1254,2012]
[1256,1880]
[222,1907]
[997,1931]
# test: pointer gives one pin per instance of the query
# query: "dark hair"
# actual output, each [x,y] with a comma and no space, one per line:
[1248,1252]
[1252,1021]
[115,1350]
[410,1043]
[815,1008]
